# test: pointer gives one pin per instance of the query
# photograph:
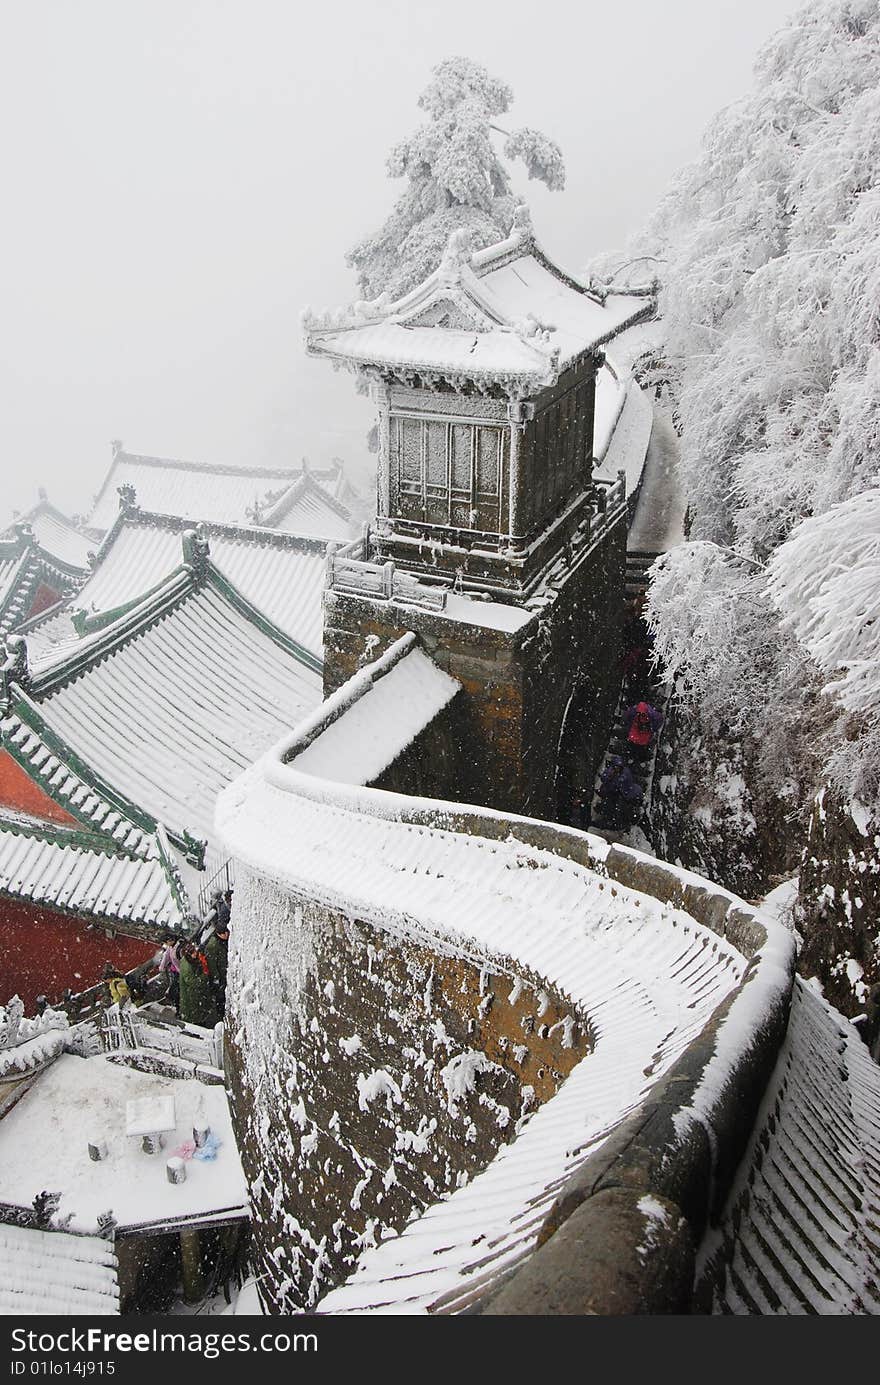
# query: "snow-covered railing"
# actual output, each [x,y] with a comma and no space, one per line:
[221,881]
[357,577]
[83,1005]
[609,497]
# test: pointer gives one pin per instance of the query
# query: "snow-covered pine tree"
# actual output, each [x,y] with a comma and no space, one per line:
[455,178]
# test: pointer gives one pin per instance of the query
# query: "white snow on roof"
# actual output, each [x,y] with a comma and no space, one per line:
[44,1273]
[196,491]
[9,569]
[58,537]
[311,511]
[492,615]
[378,727]
[176,709]
[524,287]
[503,314]
[800,1231]
[440,349]
[44,1144]
[610,398]
[283,581]
[47,633]
[63,875]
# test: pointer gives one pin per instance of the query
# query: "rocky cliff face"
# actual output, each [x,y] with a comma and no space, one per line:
[705,816]
[838,908]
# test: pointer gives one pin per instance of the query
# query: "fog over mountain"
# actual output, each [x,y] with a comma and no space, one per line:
[182,179]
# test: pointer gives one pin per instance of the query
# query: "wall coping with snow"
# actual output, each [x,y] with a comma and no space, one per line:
[622,1235]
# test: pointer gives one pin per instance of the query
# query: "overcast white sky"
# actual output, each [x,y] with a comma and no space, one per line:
[181,177]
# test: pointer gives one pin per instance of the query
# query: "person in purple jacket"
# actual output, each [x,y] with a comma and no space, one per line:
[169,963]
[619,794]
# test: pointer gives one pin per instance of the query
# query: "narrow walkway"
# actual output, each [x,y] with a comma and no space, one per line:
[657,525]
[659,518]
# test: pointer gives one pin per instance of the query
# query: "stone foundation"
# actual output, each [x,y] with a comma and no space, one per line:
[369,1076]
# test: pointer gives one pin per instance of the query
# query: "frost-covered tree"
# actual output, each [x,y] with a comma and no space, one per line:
[772,312]
[825,581]
[745,681]
[455,178]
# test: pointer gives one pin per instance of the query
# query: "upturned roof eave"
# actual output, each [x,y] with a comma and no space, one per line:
[517,382]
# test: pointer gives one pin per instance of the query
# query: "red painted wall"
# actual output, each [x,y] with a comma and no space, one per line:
[44,597]
[18,790]
[42,952]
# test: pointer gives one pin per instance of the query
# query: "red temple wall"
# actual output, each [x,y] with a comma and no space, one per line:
[44,597]
[18,790]
[43,952]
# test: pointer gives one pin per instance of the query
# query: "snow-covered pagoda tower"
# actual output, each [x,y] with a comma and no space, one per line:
[492,539]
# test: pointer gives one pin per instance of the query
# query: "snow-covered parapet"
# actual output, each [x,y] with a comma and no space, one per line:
[681,987]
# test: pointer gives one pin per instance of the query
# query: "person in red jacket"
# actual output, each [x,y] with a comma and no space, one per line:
[641,722]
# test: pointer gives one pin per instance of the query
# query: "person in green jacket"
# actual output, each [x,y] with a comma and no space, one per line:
[217,952]
[198,1004]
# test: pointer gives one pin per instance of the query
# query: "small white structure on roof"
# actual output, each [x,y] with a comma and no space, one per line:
[148,1114]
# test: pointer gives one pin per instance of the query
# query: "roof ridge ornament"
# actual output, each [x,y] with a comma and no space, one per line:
[196,552]
[456,257]
[14,668]
[127,498]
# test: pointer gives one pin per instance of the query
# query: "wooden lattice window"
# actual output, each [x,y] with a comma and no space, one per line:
[449,473]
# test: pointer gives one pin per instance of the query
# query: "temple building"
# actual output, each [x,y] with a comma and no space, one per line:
[319,502]
[493,538]
[479,1060]
[113,747]
[34,579]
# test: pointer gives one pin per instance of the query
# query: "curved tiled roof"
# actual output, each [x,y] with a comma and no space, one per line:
[54,1272]
[50,629]
[197,490]
[159,710]
[674,1007]
[61,869]
[504,315]
[282,575]
[801,1232]
[24,567]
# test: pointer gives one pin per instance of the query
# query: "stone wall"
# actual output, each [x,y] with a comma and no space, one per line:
[531,697]
[663,1176]
[369,1075]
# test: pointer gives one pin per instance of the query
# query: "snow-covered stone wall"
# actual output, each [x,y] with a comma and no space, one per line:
[539,682]
[371,1076]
